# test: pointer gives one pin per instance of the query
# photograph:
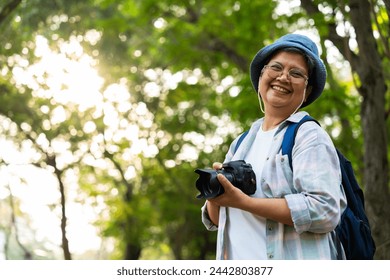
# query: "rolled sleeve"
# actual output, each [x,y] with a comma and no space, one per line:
[315,204]
[300,213]
[206,219]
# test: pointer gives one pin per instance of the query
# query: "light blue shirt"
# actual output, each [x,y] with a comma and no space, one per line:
[313,193]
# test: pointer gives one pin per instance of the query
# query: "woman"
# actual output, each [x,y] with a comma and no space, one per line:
[292,215]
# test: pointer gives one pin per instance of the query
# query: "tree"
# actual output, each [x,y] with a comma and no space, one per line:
[367,62]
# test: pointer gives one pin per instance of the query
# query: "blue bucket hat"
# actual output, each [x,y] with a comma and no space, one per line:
[317,77]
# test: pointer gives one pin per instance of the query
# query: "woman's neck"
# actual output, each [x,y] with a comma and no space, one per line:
[273,120]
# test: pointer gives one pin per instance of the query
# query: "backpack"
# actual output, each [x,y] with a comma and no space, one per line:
[353,231]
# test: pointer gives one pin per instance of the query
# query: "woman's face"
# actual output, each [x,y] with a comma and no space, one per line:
[283,82]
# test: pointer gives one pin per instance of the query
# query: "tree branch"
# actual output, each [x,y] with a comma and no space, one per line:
[384,39]
[387,4]
[8,9]
[341,43]
[129,187]
[215,44]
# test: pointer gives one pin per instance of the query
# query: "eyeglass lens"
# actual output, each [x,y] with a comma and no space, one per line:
[276,70]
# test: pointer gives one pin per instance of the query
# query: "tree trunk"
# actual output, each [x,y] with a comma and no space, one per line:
[132,251]
[367,64]
[133,248]
[51,160]
[65,242]
[373,90]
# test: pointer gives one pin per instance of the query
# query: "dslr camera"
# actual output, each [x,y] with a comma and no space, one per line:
[238,172]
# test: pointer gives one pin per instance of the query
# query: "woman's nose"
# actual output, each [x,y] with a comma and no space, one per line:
[284,75]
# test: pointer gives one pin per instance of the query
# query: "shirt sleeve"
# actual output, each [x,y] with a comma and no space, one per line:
[317,196]
[206,219]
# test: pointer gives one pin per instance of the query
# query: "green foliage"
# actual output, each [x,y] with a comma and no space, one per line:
[184,67]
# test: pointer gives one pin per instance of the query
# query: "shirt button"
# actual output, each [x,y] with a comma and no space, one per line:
[270,228]
[271,256]
[282,160]
[263,180]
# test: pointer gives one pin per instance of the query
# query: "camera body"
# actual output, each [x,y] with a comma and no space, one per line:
[238,172]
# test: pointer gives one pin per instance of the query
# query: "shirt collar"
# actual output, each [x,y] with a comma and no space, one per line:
[295,118]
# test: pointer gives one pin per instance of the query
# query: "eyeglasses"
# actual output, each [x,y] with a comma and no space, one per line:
[294,75]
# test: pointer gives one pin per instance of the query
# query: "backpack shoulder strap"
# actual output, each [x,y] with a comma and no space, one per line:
[288,140]
[240,140]
[289,137]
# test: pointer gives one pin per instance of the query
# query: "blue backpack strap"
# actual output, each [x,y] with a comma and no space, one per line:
[240,141]
[289,137]
[288,140]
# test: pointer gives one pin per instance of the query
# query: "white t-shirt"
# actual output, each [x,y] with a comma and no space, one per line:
[246,233]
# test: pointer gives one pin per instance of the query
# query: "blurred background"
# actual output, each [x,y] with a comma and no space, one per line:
[107,108]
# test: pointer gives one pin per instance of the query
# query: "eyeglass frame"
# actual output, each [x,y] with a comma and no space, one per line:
[289,76]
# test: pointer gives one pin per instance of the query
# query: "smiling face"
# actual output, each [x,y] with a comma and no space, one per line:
[283,90]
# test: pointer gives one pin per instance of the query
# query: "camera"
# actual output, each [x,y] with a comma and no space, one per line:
[238,172]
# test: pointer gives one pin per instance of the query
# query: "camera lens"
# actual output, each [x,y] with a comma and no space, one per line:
[208,184]
[239,173]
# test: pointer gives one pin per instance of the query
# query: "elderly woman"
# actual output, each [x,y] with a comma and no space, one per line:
[292,215]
